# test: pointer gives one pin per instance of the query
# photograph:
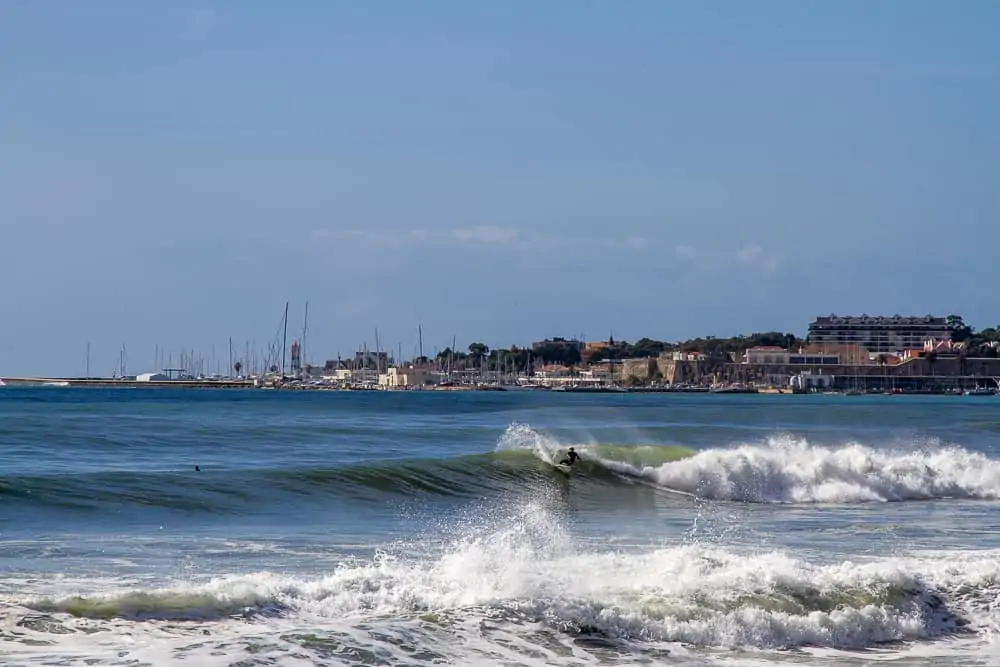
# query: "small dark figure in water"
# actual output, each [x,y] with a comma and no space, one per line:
[197,469]
[571,458]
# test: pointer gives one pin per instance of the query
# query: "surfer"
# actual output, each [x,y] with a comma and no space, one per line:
[571,458]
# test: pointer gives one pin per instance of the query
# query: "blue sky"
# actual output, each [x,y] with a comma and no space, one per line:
[171,174]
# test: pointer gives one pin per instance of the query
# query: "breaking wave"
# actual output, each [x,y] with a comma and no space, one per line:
[788,470]
[530,574]
[794,471]
[778,470]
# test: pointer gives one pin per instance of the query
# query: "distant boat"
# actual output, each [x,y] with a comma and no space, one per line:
[733,389]
[980,391]
[531,387]
[593,389]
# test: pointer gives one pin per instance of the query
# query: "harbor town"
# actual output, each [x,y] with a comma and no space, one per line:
[839,355]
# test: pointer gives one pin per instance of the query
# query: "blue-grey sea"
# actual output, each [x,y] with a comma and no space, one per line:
[431,528]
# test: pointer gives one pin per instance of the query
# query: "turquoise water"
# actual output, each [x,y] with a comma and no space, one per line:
[431,528]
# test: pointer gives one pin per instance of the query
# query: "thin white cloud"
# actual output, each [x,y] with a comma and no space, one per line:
[487,234]
[685,252]
[494,235]
[637,243]
[756,257]
[750,253]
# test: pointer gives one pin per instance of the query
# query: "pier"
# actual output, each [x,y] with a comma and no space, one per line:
[127,383]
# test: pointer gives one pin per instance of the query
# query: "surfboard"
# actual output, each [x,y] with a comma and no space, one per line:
[562,467]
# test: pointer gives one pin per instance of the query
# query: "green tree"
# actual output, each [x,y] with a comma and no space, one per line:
[979,344]
[558,351]
[960,331]
[646,347]
[478,349]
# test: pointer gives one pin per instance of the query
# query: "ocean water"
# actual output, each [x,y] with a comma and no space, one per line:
[430,528]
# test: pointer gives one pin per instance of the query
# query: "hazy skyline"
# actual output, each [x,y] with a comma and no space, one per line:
[498,172]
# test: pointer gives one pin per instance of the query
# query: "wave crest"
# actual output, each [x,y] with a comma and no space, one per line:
[784,470]
[778,470]
[530,571]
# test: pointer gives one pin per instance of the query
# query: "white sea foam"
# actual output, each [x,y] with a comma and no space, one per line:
[522,592]
[521,437]
[789,470]
[784,469]
[518,589]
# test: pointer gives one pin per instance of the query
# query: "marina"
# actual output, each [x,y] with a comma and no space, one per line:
[874,360]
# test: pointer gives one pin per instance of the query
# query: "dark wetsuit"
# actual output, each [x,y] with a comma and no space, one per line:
[571,458]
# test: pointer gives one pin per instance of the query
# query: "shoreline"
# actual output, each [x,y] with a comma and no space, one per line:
[113,383]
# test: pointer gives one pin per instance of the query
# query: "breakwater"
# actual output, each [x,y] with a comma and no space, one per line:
[110,383]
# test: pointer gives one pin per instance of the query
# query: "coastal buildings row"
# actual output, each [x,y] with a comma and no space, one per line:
[843,353]
[937,365]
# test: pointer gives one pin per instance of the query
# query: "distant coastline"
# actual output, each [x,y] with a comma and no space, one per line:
[840,355]
[112,383]
[116,382]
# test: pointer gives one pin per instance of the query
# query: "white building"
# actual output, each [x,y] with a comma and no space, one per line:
[878,333]
[686,356]
[152,377]
[806,380]
[402,377]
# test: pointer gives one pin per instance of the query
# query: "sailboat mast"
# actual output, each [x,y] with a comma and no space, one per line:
[451,358]
[305,330]
[284,342]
